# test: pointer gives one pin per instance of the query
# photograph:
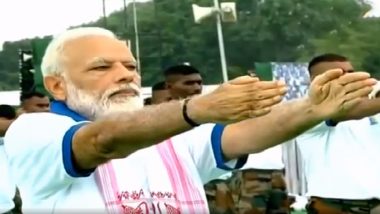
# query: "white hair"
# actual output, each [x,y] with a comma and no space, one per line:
[51,62]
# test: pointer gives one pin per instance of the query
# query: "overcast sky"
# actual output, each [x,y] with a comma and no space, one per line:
[47,17]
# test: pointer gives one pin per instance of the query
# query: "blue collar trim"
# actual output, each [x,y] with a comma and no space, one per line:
[59,107]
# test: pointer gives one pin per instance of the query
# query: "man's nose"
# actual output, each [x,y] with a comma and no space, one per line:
[125,74]
[197,88]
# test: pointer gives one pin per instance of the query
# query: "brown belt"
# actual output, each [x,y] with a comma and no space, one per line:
[369,202]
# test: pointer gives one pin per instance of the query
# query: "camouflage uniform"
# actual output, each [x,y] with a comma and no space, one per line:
[250,191]
[338,206]
[219,197]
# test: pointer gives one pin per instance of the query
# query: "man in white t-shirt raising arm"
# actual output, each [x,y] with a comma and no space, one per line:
[340,158]
[100,151]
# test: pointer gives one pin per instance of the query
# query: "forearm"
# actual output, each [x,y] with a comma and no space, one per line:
[118,135]
[4,125]
[366,108]
[285,122]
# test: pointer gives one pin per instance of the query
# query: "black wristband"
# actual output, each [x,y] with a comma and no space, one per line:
[186,116]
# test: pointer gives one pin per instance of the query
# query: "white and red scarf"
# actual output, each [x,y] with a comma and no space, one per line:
[187,198]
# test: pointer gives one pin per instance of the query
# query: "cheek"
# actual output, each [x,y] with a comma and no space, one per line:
[137,80]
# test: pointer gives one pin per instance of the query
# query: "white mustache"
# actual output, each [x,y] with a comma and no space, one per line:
[135,88]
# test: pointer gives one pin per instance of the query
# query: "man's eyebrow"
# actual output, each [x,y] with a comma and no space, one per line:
[101,60]
[97,60]
[129,61]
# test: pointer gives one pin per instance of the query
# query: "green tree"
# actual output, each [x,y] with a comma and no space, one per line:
[270,30]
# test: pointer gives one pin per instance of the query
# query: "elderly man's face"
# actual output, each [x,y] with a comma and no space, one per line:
[100,76]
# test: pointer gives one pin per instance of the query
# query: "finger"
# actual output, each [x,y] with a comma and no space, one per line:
[268,84]
[358,93]
[353,86]
[267,102]
[265,94]
[352,77]
[327,76]
[243,80]
[259,112]
[264,106]
[375,91]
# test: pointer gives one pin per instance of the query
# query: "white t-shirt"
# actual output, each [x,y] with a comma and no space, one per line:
[269,159]
[7,187]
[39,150]
[343,161]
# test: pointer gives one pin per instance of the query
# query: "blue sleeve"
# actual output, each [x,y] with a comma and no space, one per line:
[67,153]
[216,142]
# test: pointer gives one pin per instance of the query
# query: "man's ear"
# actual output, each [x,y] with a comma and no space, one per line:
[56,86]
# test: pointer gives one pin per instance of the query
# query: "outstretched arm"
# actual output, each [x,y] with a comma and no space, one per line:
[366,108]
[116,136]
[330,94]
[285,122]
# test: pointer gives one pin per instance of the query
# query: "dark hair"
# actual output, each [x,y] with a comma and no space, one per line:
[7,111]
[328,57]
[147,101]
[25,96]
[159,86]
[181,70]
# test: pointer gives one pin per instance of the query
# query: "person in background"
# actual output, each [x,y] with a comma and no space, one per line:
[148,101]
[341,155]
[10,202]
[183,81]
[34,102]
[160,93]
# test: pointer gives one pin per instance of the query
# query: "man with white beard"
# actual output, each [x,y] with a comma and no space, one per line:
[100,151]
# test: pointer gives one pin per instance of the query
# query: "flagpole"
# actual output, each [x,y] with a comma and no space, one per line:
[136,37]
[104,13]
[223,60]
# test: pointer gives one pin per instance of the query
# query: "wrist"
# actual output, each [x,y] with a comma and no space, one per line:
[195,111]
[311,111]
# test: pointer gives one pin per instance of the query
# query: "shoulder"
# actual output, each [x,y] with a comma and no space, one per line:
[35,121]
[37,126]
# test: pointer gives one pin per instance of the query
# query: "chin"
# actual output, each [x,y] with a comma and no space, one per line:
[131,104]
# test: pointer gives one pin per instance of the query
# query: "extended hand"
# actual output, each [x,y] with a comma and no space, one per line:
[239,99]
[334,93]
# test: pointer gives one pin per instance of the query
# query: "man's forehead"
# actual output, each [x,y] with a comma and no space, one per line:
[98,49]
[188,77]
